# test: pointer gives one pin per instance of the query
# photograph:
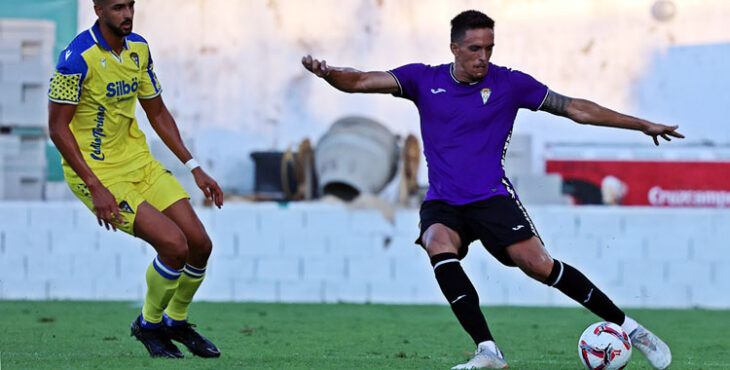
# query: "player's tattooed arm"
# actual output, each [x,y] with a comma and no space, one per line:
[587,112]
[556,104]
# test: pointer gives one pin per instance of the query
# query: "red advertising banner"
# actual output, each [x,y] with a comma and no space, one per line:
[652,183]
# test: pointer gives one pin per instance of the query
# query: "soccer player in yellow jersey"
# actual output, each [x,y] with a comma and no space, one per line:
[108,165]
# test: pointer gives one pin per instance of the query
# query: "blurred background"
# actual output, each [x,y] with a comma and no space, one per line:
[323,187]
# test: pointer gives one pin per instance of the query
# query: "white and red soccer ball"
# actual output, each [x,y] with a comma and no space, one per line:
[604,346]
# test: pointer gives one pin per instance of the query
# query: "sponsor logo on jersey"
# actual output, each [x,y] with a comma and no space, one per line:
[98,135]
[121,88]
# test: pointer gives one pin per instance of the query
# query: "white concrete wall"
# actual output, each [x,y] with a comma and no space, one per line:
[641,257]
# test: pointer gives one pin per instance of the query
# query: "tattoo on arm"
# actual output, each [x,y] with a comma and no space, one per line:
[556,104]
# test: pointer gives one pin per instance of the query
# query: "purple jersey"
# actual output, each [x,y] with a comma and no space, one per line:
[466,127]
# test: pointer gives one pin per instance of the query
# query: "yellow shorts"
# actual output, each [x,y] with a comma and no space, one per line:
[152,183]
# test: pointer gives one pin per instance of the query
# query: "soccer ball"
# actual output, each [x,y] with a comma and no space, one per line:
[604,346]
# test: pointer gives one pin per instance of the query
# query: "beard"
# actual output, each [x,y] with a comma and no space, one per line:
[118,30]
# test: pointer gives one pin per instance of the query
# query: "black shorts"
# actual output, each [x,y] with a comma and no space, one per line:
[497,222]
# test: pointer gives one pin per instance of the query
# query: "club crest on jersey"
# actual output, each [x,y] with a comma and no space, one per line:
[485,95]
[135,58]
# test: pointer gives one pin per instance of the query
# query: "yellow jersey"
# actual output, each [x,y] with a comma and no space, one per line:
[105,87]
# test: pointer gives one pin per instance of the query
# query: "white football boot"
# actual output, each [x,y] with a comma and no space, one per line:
[655,350]
[487,356]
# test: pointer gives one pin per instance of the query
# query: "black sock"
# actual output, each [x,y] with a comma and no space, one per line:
[462,296]
[575,285]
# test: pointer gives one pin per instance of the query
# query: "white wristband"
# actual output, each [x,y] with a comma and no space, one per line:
[192,164]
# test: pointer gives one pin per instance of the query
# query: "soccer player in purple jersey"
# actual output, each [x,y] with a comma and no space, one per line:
[467,111]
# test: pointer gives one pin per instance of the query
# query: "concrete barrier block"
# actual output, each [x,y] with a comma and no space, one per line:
[667,296]
[302,291]
[346,292]
[393,293]
[31,289]
[328,221]
[370,269]
[29,241]
[599,222]
[259,244]
[365,221]
[73,241]
[53,216]
[410,270]
[628,294]
[324,268]
[14,215]
[401,246]
[643,272]
[42,268]
[550,220]
[656,221]
[243,219]
[281,221]
[13,267]
[225,243]
[529,294]
[231,267]
[85,219]
[95,265]
[216,288]
[690,273]
[721,275]
[256,291]
[279,268]
[71,288]
[117,289]
[706,296]
[353,245]
[133,267]
[621,248]
[574,248]
[667,248]
[119,240]
[305,245]
[601,271]
[710,248]
[407,223]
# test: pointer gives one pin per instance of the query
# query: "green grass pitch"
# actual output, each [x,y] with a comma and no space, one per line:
[95,335]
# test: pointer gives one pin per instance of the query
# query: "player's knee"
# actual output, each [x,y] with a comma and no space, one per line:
[174,249]
[202,246]
[435,245]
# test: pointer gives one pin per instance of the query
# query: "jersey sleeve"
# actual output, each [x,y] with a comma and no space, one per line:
[66,82]
[530,93]
[149,86]
[407,77]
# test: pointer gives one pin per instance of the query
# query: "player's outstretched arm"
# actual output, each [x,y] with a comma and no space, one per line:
[105,206]
[588,112]
[351,80]
[165,126]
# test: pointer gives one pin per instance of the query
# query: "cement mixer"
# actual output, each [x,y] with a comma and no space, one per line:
[356,155]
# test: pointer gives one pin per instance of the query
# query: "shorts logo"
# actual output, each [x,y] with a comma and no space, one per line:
[518,227]
[485,95]
[124,206]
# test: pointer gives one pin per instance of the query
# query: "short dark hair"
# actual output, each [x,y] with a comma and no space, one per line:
[469,20]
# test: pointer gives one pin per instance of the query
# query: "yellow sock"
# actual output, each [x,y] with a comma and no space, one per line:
[189,283]
[162,282]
